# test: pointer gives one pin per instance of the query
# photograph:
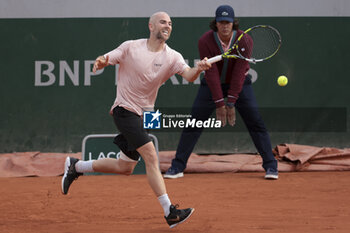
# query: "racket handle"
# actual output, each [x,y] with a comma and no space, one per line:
[215,59]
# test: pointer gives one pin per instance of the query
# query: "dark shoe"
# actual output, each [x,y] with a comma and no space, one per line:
[70,174]
[178,216]
[173,173]
[271,174]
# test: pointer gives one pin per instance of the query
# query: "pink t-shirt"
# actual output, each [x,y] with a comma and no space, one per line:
[142,72]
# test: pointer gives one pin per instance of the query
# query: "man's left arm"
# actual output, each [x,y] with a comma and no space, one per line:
[191,74]
[239,72]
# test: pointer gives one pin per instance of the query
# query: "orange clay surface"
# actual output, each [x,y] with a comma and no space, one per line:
[298,202]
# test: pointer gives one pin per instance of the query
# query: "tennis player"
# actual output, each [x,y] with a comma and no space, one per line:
[144,65]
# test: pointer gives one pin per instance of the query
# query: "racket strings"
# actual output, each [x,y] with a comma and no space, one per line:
[266,42]
[245,46]
[259,43]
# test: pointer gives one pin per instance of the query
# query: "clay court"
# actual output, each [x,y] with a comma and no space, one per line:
[51,102]
[224,202]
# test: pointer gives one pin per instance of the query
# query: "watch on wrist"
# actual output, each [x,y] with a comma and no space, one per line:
[230,105]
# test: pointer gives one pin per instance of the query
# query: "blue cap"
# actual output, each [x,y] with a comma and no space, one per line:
[224,13]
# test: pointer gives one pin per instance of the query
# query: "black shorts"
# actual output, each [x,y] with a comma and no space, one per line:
[132,134]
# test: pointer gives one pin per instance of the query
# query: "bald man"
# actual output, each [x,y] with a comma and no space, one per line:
[144,65]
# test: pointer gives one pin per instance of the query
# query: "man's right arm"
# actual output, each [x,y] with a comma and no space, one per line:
[212,75]
[100,63]
[112,57]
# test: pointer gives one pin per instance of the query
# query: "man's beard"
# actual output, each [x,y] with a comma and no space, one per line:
[160,36]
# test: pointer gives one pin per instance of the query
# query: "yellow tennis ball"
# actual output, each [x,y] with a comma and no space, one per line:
[282,80]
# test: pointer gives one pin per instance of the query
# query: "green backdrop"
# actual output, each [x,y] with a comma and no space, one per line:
[56,117]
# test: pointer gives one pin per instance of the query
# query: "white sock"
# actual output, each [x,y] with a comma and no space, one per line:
[165,203]
[84,166]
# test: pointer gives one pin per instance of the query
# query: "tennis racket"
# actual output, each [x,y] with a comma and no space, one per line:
[255,44]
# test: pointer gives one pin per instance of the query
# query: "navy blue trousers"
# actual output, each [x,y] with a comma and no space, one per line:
[246,106]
